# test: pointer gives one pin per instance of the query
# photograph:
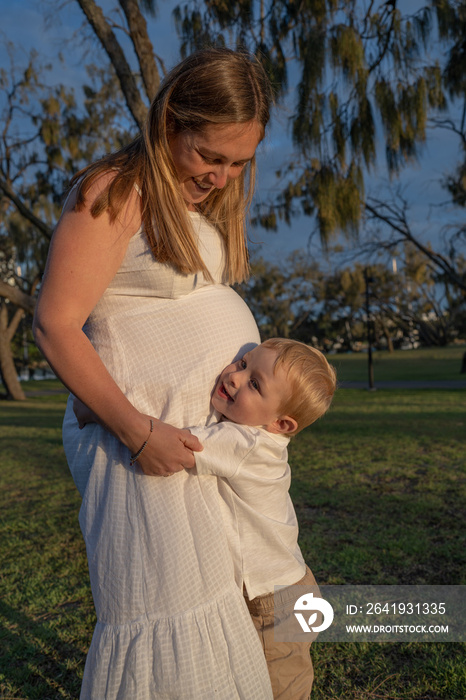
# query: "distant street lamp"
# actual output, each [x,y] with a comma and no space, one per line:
[368,280]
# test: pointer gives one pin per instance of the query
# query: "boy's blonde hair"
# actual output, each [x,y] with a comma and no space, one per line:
[311,378]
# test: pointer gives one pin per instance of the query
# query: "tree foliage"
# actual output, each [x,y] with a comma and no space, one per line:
[361,82]
[47,137]
[299,299]
[50,133]
[354,64]
[364,81]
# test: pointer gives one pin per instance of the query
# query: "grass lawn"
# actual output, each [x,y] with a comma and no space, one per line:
[379,486]
[423,364]
[46,610]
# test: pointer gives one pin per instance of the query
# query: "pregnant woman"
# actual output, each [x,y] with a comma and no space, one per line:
[136,317]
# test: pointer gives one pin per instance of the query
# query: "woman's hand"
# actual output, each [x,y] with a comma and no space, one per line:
[83,414]
[168,450]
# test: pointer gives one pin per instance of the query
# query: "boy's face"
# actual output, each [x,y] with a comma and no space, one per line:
[249,392]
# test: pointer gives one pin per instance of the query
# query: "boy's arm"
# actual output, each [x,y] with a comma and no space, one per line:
[226,446]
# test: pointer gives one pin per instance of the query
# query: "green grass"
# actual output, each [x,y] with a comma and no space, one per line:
[46,611]
[422,364]
[379,486]
[52,388]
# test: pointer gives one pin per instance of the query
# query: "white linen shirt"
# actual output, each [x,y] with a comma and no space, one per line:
[260,520]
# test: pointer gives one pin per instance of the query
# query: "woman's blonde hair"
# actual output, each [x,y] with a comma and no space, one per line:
[214,86]
[312,380]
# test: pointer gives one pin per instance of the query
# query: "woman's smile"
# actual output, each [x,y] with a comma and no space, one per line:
[203,186]
[209,159]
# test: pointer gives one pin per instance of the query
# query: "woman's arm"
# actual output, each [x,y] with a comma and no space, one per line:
[84,256]
[84,415]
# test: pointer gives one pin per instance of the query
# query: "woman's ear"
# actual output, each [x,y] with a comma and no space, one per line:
[284,425]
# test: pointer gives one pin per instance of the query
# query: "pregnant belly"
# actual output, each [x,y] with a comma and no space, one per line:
[167,353]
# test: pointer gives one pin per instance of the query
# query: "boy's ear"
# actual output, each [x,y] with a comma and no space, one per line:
[283,425]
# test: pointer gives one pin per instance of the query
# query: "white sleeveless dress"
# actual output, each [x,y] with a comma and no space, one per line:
[171,621]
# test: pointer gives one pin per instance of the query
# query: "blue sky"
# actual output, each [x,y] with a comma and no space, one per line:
[23,23]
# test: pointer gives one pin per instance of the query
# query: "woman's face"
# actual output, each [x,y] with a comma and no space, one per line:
[205,160]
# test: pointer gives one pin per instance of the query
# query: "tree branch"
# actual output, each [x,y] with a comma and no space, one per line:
[107,38]
[384,48]
[25,301]
[142,45]
[24,210]
[399,224]
[449,125]
[14,323]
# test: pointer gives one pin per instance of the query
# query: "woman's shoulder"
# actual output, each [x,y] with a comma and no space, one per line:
[95,198]
[87,186]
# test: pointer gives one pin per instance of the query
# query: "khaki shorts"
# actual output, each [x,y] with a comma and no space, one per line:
[289,663]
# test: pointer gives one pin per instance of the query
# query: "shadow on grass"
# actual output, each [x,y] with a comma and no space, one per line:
[390,671]
[396,414]
[35,659]
[379,487]
[380,524]
[355,536]
[405,423]
[20,415]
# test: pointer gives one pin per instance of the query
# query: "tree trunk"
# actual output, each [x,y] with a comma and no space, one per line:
[27,302]
[387,335]
[7,366]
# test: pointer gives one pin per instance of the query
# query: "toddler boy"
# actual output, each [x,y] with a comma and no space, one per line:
[270,394]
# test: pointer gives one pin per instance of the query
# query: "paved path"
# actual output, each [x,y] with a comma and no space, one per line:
[408,384]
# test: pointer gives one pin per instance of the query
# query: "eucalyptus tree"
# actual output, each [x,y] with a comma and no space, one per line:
[50,132]
[365,88]
[351,67]
[138,83]
[46,137]
[281,295]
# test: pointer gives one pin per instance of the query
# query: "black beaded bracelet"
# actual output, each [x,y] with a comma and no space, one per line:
[135,457]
